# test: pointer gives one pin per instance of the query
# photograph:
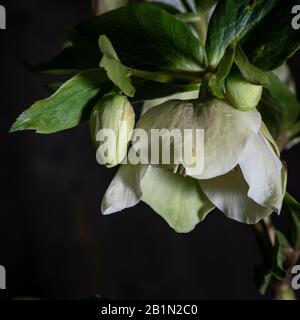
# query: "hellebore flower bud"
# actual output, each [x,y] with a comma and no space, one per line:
[242,94]
[111,125]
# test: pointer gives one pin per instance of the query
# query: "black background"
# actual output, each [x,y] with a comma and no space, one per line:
[54,242]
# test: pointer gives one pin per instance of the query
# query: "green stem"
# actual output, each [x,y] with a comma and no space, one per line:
[262,234]
[265,235]
[205,91]
[283,291]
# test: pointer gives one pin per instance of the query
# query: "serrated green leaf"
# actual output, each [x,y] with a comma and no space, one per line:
[145,37]
[273,40]
[273,269]
[116,72]
[66,108]
[230,22]
[291,208]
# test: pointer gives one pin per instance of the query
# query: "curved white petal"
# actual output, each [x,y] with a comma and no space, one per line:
[167,120]
[262,170]
[125,189]
[229,194]
[178,199]
[149,104]
[226,131]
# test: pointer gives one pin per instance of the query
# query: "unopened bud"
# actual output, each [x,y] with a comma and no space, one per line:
[242,94]
[111,125]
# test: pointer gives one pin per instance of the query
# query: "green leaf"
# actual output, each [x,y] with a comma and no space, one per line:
[116,72]
[230,22]
[145,37]
[273,269]
[70,61]
[273,40]
[107,49]
[204,5]
[225,67]
[279,106]
[53,87]
[147,90]
[66,108]
[250,72]
[291,208]
[210,80]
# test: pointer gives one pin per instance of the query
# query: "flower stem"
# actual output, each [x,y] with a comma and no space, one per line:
[282,290]
[265,235]
[262,231]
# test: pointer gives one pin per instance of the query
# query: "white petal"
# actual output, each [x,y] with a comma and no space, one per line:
[149,104]
[178,199]
[172,115]
[226,130]
[229,194]
[262,170]
[124,190]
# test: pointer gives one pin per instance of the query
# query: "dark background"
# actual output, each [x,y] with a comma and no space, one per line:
[54,242]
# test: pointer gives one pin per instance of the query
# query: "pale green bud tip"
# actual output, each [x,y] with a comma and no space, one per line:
[111,125]
[242,94]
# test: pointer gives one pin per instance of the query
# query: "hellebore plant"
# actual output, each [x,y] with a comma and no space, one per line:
[219,66]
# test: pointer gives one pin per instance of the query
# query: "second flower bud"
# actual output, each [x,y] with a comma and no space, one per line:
[114,114]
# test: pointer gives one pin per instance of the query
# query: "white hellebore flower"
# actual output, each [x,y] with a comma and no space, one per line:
[243,175]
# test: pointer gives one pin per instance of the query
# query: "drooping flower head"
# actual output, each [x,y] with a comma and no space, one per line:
[242,173]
